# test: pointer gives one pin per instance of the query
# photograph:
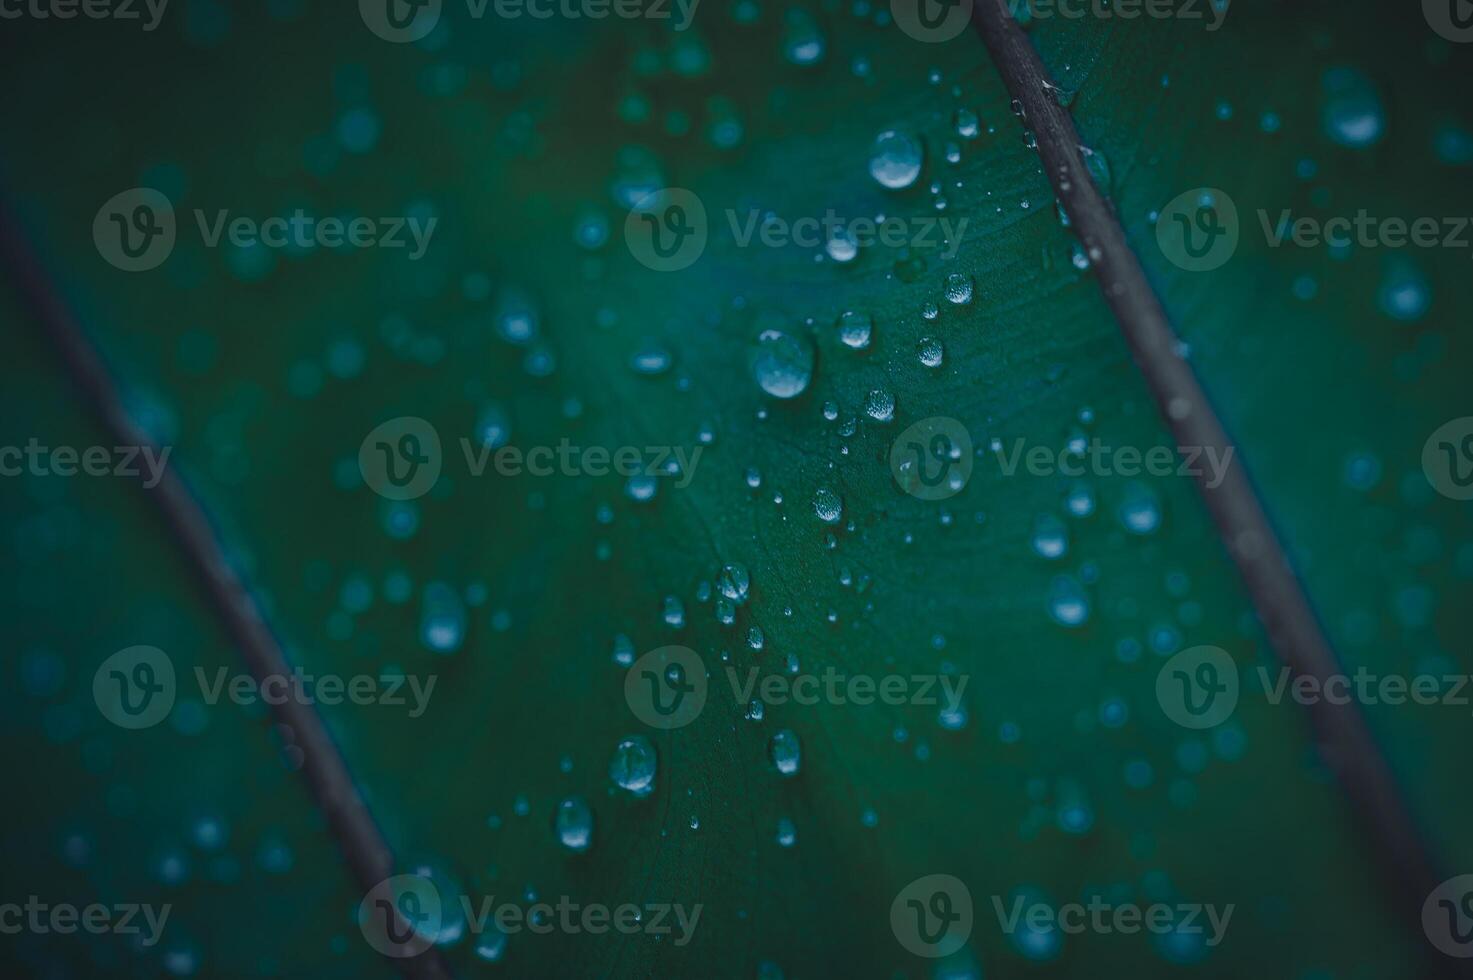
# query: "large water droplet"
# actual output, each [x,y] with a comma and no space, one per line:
[895,160]
[733,582]
[781,363]
[855,329]
[879,405]
[633,765]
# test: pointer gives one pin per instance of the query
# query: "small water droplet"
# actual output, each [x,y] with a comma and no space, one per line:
[930,352]
[829,506]
[574,824]
[958,288]
[785,752]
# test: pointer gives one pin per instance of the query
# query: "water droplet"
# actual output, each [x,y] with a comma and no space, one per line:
[1050,537]
[895,160]
[633,765]
[755,639]
[1404,293]
[1067,603]
[651,359]
[855,329]
[574,824]
[517,317]
[442,618]
[733,582]
[953,718]
[1079,500]
[1140,509]
[781,363]
[842,246]
[879,405]
[803,42]
[966,123]
[930,352]
[785,752]
[641,488]
[493,426]
[829,506]
[958,288]
[623,650]
[787,834]
[1352,113]
[673,612]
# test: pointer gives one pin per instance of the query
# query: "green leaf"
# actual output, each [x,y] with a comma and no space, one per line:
[1061,777]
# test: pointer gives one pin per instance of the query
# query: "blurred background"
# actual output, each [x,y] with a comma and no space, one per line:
[529,315]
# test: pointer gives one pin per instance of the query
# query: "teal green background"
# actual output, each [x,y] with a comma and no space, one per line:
[266,375]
